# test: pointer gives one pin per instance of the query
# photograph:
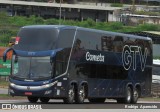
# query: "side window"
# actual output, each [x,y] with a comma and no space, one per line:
[65,41]
[65,38]
[147,44]
[89,40]
[129,41]
[107,43]
[118,43]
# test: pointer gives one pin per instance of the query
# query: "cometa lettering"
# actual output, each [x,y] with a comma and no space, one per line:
[91,57]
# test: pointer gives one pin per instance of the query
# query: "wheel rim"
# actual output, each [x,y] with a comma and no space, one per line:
[71,93]
[135,94]
[82,93]
[128,95]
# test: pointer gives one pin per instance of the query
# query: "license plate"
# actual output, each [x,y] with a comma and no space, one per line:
[28,93]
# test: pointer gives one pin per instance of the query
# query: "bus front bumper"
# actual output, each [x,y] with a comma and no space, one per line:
[48,90]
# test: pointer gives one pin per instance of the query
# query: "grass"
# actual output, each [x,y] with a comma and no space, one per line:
[6,96]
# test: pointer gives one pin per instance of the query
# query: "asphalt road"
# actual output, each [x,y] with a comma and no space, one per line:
[3,91]
[58,104]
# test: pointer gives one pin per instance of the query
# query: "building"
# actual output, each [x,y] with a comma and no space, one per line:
[57,10]
[134,19]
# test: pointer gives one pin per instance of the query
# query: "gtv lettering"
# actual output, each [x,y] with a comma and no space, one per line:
[130,55]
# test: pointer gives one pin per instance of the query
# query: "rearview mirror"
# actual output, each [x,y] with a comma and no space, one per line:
[5,54]
[4,58]
[52,57]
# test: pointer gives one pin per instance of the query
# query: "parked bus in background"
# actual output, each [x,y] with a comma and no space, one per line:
[156,71]
[74,64]
[156,78]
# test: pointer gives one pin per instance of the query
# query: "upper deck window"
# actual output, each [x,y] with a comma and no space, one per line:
[36,39]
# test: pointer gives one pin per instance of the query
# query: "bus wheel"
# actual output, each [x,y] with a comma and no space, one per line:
[135,96]
[44,100]
[70,95]
[32,99]
[128,96]
[81,94]
[97,100]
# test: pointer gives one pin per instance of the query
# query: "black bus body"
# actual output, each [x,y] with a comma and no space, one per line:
[74,63]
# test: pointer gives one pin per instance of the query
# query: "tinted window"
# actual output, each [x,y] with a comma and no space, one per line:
[118,44]
[65,38]
[89,40]
[107,43]
[36,39]
[65,41]
[144,44]
[102,71]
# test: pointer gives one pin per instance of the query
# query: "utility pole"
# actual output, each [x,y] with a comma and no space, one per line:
[133,6]
[60,12]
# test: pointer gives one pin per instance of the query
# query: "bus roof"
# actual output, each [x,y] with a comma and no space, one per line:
[116,33]
[60,27]
[50,26]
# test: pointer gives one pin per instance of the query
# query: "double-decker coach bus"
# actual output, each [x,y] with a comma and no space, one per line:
[74,64]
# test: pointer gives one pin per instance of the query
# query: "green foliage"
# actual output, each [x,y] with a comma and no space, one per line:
[3,18]
[69,22]
[9,26]
[156,57]
[52,22]
[116,5]
[5,36]
[148,27]
[148,13]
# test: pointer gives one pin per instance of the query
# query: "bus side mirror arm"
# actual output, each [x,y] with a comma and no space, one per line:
[5,53]
[52,57]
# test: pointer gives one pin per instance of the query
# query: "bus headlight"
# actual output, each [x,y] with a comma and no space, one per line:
[49,85]
[12,84]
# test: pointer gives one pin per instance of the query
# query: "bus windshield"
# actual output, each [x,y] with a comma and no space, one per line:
[31,68]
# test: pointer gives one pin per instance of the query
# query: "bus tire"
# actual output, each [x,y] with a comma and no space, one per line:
[128,96]
[44,100]
[70,95]
[97,100]
[32,99]
[120,100]
[81,94]
[135,96]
